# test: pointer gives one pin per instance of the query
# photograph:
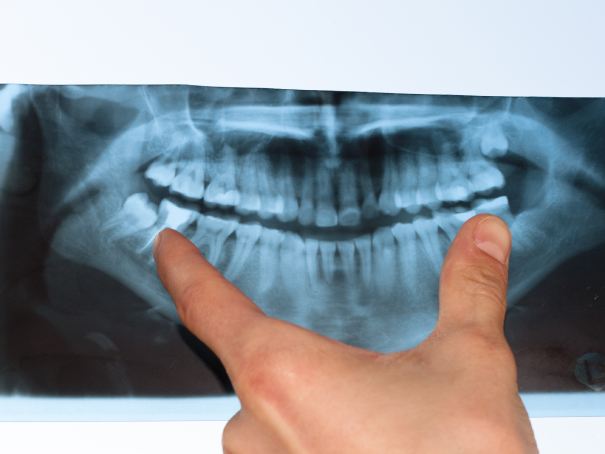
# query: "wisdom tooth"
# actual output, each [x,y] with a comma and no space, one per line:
[369,207]
[427,177]
[290,208]
[493,143]
[214,232]
[427,232]
[498,206]
[246,236]
[189,181]
[325,215]
[161,172]
[222,189]
[484,176]
[137,213]
[363,244]
[249,199]
[306,214]
[311,261]
[386,201]
[348,210]
[451,186]
[270,240]
[383,246]
[409,182]
[327,249]
[450,223]
[346,252]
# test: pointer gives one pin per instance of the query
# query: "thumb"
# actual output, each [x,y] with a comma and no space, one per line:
[474,276]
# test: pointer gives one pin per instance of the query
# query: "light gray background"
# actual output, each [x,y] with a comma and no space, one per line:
[514,47]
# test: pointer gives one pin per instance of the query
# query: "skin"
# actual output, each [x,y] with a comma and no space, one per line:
[300,392]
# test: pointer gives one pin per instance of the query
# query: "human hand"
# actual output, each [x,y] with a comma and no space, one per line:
[301,392]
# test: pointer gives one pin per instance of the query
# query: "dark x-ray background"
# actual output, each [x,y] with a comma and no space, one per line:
[70,328]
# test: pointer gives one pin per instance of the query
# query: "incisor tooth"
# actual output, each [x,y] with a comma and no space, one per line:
[311,261]
[327,250]
[383,248]
[346,252]
[363,244]
[349,213]
[306,214]
[325,216]
[386,201]
[369,207]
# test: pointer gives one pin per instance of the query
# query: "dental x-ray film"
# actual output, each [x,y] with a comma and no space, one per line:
[332,210]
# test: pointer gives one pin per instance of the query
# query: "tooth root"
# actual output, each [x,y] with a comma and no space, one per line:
[213,232]
[427,232]
[325,215]
[249,199]
[291,267]
[452,185]
[427,177]
[369,207]
[349,213]
[327,250]
[311,262]
[137,213]
[270,241]
[222,189]
[363,245]
[494,143]
[383,248]
[161,172]
[498,206]
[406,198]
[408,252]
[189,181]
[387,199]
[306,214]
[246,236]
[290,205]
[346,252]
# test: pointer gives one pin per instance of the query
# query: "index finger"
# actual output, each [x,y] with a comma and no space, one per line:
[213,309]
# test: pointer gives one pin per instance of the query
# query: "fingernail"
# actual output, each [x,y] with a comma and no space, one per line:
[156,243]
[492,236]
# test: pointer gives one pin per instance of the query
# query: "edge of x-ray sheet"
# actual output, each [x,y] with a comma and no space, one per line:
[18,408]
[467,49]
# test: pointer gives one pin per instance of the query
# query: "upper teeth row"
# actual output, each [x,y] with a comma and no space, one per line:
[323,196]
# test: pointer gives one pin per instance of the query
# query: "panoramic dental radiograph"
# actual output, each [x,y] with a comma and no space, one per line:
[332,210]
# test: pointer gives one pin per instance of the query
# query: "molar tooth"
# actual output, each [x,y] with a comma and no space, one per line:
[325,215]
[346,251]
[450,222]
[493,143]
[175,217]
[383,248]
[349,213]
[427,231]
[369,207]
[249,199]
[270,240]
[327,250]
[452,185]
[427,177]
[363,244]
[161,172]
[406,196]
[498,206]
[137,213]
[290,205]
[246,236]
[214,232]
[189,180]
[306,214]
[386,201]
[311,261]
[222,189]
[484,176]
